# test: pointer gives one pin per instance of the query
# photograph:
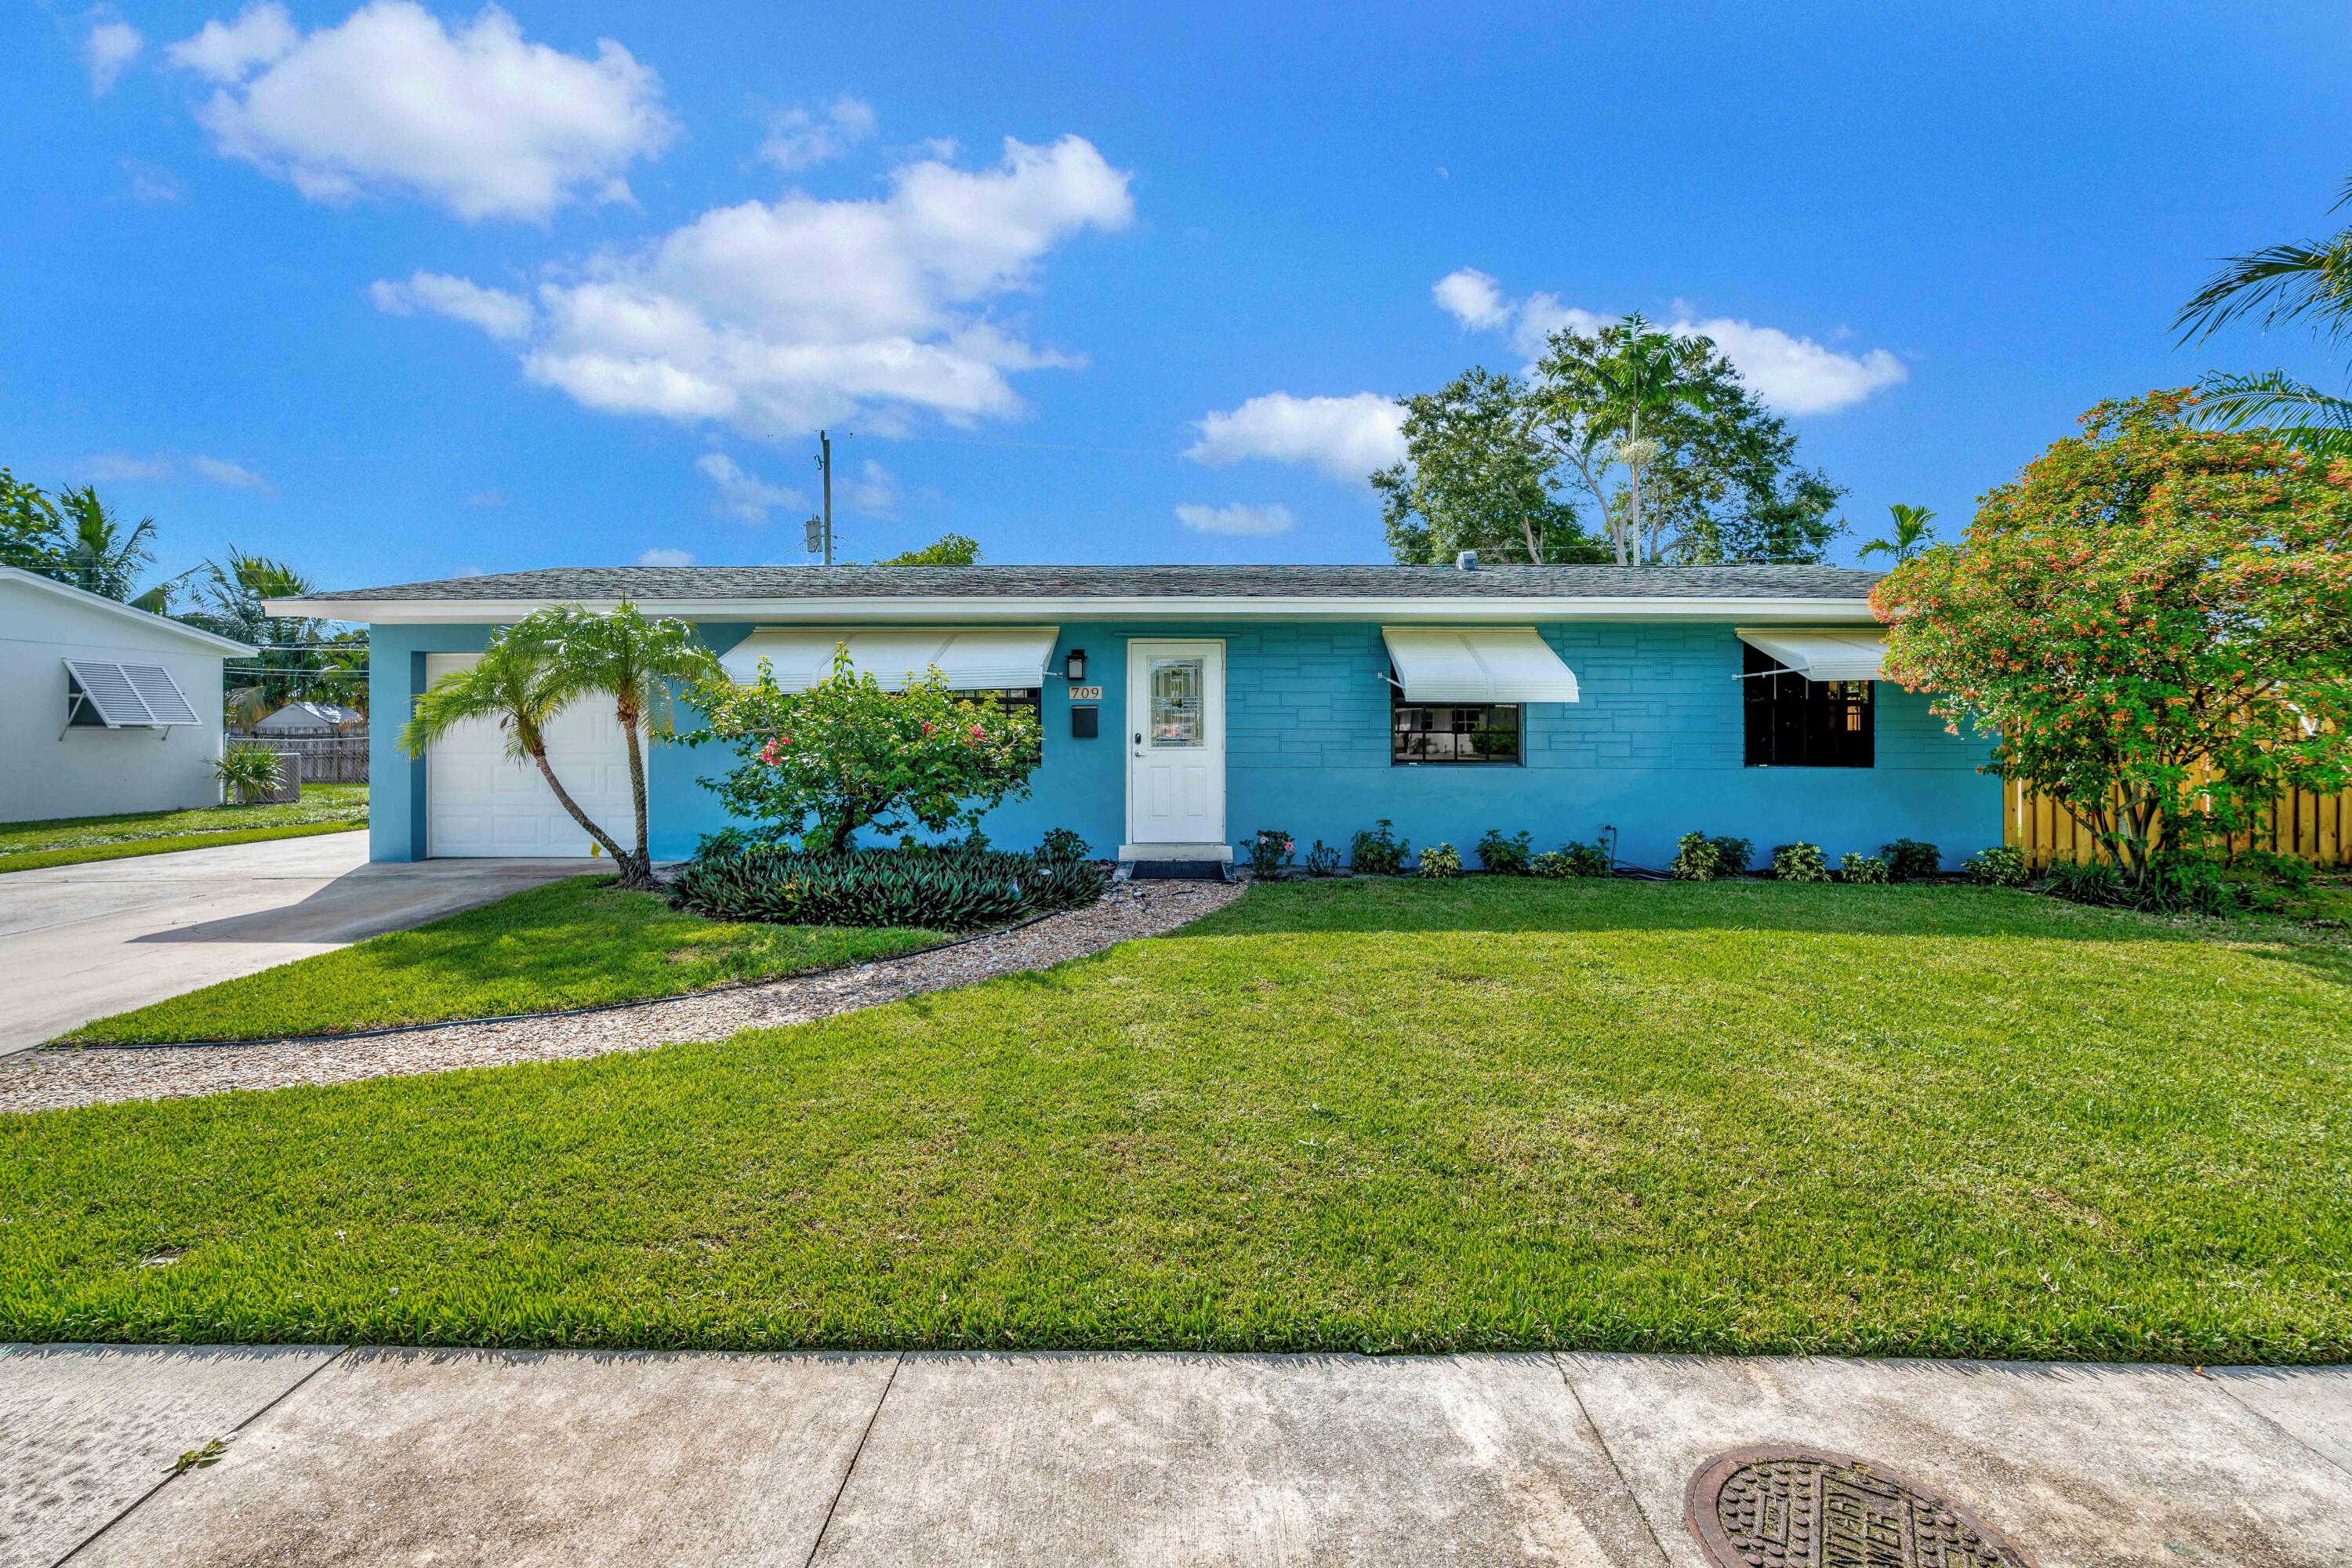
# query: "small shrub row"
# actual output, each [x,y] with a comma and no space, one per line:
[1700,859]
[953,889]
[2185,882]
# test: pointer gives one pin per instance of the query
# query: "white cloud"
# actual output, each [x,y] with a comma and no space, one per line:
[802,138]
[660,555]
[1791,374]
[225,51]
[1252,521]
[476,119]
[111,45]
[120,467]
[123,465]
[1346,438]
[151,185]
[873,490]
[504,316]
[745,497]
[221,471]
[1473,298]
[1798,376]
[779,317]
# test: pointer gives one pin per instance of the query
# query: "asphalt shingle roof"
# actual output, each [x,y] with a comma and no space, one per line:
[654,583]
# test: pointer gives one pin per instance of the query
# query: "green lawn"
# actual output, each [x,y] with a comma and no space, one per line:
[1357,1115]
[70,840]
[572,943]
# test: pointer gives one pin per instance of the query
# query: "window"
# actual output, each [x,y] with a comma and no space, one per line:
[1793,723]
[1176,713]
[1005,697]
[1449,732]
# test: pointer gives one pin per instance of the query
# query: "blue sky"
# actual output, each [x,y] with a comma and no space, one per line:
[399,293]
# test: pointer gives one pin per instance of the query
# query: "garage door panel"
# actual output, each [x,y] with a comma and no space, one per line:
[479,803]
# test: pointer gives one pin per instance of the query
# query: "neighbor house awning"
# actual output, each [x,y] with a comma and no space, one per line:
[974,659]
[1823,656]
[124,696]
[1477,664]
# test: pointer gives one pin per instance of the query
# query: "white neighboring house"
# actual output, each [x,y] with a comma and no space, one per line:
[104,709]
[314,719]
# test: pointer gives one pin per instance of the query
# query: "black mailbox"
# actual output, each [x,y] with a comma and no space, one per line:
[1084,723]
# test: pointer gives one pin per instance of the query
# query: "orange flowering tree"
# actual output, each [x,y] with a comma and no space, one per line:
[847,754]
[2155,620]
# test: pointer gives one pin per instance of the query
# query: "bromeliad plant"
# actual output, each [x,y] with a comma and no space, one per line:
[848,754]
[2155,621]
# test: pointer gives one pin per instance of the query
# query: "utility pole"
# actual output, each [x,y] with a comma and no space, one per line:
[824,462]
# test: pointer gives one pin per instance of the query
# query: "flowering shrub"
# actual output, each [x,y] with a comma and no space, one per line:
[1912,861]
[1800,862]
[1323,860]
[1506,854]
[845,754]
[1378,851]
[1855,867]
[1999,866]
[2153,620]
[1441,860]
[1269,851]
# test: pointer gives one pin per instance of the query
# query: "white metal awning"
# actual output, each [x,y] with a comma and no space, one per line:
[1477,664]
[125,696]
[1823,656]
[974,659]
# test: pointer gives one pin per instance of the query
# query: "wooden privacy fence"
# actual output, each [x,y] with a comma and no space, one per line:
[326,759]
[2303,826]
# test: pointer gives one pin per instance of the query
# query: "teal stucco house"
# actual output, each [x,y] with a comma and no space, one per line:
[1186,707]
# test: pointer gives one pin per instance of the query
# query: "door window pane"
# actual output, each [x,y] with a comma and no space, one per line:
[1176,717]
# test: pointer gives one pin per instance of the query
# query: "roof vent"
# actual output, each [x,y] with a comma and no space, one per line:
[1467,561]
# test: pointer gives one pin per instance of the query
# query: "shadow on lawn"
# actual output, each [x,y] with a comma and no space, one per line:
[1510,906]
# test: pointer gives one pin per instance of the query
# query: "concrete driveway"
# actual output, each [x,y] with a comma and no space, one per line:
[79,943]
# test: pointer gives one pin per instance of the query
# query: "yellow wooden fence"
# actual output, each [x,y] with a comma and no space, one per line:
[2308,827]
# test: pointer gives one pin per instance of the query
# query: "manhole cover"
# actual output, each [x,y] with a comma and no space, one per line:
[1800,1508]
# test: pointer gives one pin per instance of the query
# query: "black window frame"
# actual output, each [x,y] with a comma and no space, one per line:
[1032,697]
[1462,719]
[1792,723]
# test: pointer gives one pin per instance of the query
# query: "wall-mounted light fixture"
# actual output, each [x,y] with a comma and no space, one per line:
[1073,664]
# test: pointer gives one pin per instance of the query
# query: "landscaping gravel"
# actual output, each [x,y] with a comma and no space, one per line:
[52,1077]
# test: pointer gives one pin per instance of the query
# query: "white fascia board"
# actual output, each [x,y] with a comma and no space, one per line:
[1844,613]
[101,603]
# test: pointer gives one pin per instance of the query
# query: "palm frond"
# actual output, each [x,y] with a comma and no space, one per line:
[2279,283]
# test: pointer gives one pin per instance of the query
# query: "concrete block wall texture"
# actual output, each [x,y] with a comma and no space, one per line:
[1654,750]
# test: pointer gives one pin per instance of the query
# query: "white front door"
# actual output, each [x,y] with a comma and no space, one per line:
[1176,744]
[477,803]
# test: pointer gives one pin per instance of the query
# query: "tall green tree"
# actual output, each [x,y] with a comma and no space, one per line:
[1626,443]
[1911,534]
[75,537]
[635,661]
[2305,281]
[947,549]
[1680,460]
[296,662]
[1480,474]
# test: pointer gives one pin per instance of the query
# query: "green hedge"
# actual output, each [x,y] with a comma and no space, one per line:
[953,888]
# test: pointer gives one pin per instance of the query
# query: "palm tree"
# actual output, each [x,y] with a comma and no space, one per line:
[2308,279]
[1652,375]
[1911,531]
[514,683]
[633,659]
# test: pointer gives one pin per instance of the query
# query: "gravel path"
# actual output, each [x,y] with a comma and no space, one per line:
[49,1079]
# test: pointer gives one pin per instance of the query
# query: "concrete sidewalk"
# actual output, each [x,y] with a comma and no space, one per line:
[385,1457]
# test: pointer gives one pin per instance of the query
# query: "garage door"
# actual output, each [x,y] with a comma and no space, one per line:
[477,803]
